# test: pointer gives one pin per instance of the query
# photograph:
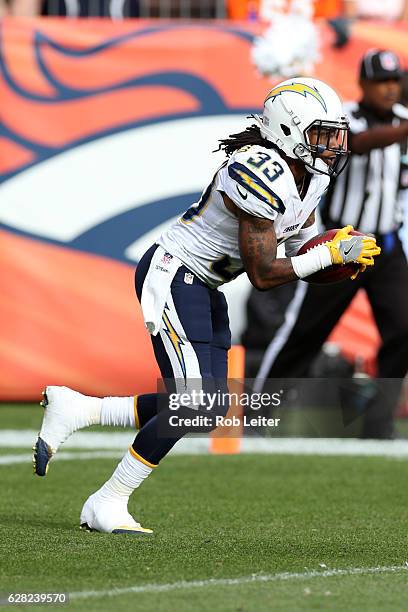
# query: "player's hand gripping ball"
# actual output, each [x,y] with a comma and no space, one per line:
[351,252]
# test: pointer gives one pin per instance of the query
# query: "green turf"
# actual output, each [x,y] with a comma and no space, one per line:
[20,416]
[215,517]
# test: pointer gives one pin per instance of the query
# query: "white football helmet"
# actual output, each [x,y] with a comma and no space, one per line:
[304,118]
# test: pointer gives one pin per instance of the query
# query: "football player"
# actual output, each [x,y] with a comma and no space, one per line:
[265,193]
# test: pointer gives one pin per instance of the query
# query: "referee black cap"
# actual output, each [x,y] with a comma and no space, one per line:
[380,65]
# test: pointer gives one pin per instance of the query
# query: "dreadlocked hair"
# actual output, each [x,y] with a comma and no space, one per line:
[250,136]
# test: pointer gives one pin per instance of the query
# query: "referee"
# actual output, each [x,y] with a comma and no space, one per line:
[366,195]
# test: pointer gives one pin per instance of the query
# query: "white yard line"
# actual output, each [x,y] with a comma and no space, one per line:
[326,447]
[110,440]
[18,438]
[214,582]
[14,438]
[62,456]
[119,441]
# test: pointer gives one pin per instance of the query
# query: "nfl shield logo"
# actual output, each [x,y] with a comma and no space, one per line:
[388,61]
[188,278]
[166,259]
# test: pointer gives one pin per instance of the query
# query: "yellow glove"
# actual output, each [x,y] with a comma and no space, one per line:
[361,269]
[345,248]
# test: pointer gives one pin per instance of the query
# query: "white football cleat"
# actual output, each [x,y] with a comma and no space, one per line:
[65,411]
[109,516]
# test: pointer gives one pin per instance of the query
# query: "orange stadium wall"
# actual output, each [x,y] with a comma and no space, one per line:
[106,135]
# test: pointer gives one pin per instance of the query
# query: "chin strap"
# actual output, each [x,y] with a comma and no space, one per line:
[304,155]
[324,168]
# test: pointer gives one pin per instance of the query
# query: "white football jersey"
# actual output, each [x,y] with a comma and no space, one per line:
[259,182]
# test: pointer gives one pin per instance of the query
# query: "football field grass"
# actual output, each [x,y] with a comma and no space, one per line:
[232,533]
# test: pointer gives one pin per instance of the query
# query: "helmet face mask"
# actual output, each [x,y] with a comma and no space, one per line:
[328,141]
[303,117]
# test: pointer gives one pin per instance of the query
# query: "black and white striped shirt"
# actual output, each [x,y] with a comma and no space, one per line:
[367,194]
[116,9]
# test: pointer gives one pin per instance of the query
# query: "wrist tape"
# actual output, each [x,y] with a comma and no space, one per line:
[314,260]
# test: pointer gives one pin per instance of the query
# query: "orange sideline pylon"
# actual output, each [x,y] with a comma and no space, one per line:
[227,441]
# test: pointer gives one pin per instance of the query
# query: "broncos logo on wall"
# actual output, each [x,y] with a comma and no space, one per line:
[107,134]
[99,125]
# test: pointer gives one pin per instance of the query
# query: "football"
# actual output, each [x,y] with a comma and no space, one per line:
[334,273]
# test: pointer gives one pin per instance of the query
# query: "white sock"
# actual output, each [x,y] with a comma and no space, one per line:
[119,411]
[90,416]
[127,477]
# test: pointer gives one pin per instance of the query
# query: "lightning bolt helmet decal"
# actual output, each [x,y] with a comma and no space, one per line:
[299,88]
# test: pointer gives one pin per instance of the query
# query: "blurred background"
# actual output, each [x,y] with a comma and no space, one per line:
[110,113]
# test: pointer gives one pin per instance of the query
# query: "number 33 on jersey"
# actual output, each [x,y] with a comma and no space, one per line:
[258,181]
